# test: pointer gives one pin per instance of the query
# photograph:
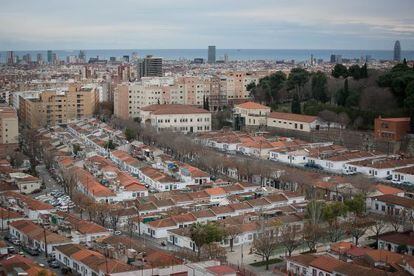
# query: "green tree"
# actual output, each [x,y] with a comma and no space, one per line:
[314,212]
[355,71]
[340,70]
[409,96]
[268,88]
[295,105]
[76,148]
[343,94]
[297,79]
[333,211]
[204,234]
[364,71]
[319,87]
[356,205]
[110,144]
[130,134]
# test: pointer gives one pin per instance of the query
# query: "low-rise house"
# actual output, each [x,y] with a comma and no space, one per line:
[397,242]
[7,216]
[160,181]
[251,114]
[125,161]
[34,236]
[78,230]
[158,228]
[297,122]
[392,205]
[89,263]
[20,265]
[403,175]
[379,167]
[30,207]
[27,183]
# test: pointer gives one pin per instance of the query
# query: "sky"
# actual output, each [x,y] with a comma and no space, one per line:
[194,24]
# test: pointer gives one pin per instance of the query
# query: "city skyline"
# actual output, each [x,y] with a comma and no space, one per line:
[189,24]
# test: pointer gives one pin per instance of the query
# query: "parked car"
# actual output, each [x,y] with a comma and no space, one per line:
[117,233]
[11,250]
[31,251]
[54,264]
[16,241]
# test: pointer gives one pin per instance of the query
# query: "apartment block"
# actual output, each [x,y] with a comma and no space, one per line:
[9,125]
[53,107]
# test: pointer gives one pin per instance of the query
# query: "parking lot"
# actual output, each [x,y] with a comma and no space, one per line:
[57,199]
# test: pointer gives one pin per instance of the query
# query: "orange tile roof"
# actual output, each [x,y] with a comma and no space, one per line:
[326,263]
[292,117]
[165,109]
[252,105]
[387,190]
[215,191]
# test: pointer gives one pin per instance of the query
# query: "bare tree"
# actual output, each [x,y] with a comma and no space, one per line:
[115,213]
[290,238]
[357,227]
[264,245]
[312,234]
[232,231]
[328,116]
[379,224]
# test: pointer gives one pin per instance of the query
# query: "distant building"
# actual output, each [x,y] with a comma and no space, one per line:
[336,59]
[81,56]
[9,125]
[198,61]
[397,51]
[150,66]
[10,57]
[49,56]
[39,58]
[211,54]
[392,129]
[125,58]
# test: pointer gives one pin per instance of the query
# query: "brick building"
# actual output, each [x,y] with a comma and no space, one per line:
[392,129]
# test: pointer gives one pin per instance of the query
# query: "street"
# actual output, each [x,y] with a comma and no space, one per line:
[48,180]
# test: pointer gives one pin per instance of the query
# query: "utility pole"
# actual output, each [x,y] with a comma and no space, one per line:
[45,239]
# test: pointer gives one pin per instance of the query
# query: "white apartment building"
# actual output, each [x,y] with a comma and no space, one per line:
[176,117]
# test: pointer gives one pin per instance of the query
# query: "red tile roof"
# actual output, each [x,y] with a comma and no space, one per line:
[292,117]
[252,105]
[165,109]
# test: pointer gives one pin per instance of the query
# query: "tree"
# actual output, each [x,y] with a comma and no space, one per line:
[70,181]
[232,231]
[355,71]
[409,96]
[16,158]
[110,144]
[312,234]
[264,245]
[328,116]
[290,238]
[295,106]
[76,148]
[340,70]
[204,234]
[379,224]
[357,227]
[297,79]
[356,205]
[319,87]
[130,134]
[343,94]
[343,119]
[115,213]
[314,211]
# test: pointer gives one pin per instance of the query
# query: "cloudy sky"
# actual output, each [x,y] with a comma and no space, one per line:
[169,24]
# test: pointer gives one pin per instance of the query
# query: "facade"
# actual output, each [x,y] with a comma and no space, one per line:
[391,129]
[176,117]
[9,125]
[253,114]
[292,121]
[392,205]
[27,184]
[150,66]
[59,107]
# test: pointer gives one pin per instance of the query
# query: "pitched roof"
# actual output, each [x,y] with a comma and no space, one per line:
[252,105]
[221,270]
[385,189]
[292,117]
[165,109]
[397,200]
[406,238]
[326,263]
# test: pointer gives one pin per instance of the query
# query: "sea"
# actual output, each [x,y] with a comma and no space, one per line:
[232,54]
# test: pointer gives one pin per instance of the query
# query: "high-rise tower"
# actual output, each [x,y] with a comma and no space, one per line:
[397,51]
[211,54]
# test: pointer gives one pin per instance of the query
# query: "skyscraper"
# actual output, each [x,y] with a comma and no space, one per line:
[150,67]
[211,54]
[397,51]
[10,57]
[49,56]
